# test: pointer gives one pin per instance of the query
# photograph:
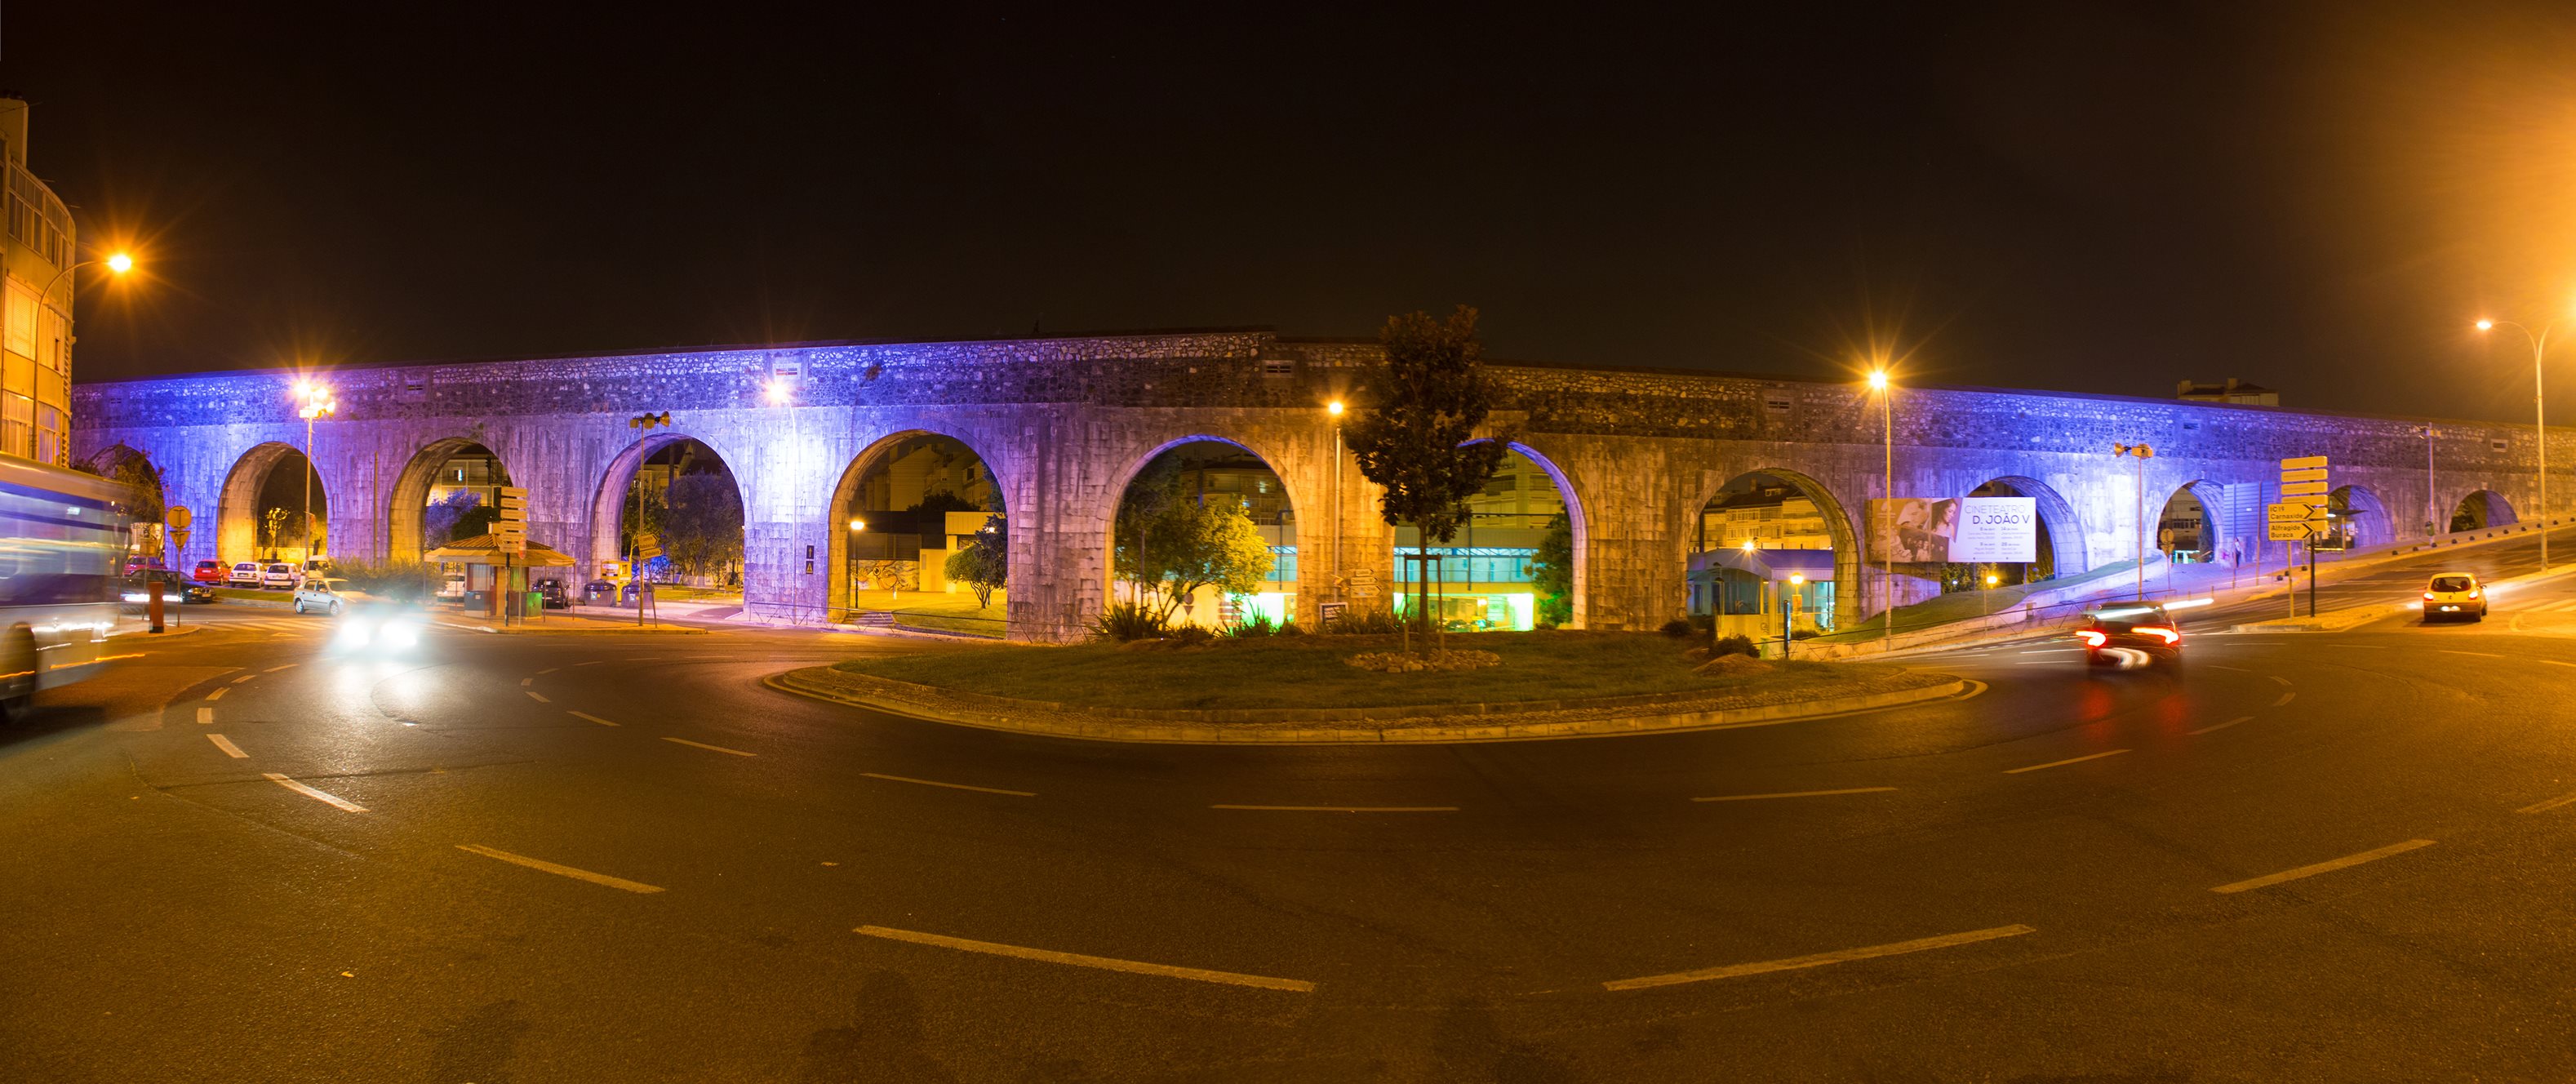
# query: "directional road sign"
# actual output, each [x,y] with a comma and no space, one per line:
[2299,488]
[2289,532]
[2295,513]
[2311,462]
[2310,474]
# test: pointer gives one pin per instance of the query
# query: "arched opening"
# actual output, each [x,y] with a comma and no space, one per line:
[2480,510]
[2359,518]
[449,490]
[671,509]
[1515,562]
[2186,531]
[274,507]
[145,512]
[1205,534]
[921,538]
[1771,546]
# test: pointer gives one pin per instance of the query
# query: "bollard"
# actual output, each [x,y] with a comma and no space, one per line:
[152,603]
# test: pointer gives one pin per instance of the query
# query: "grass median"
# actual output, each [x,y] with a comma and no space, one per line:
[1308,672]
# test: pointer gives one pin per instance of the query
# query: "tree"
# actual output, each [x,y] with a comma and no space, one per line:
[279,525]
[940,501]
[1414,438]
[1173,544]
[985,562]
[1552,572]
[460,515]
[134,470]
[702,529]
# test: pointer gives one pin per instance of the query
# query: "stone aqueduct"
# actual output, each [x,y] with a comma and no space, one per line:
[1063,424]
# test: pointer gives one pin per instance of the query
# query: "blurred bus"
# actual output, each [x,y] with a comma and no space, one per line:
[62,536]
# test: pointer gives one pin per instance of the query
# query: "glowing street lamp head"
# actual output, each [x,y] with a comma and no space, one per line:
[1992,579]
[2486,325]
[1748,545]
[120,263]
[858,525]
[1878,380]
[778,392]
[1334,408]
[1797,579]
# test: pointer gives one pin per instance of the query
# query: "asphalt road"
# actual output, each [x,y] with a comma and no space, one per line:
[623,858]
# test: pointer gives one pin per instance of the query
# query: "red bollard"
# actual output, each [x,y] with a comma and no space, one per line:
[152,604]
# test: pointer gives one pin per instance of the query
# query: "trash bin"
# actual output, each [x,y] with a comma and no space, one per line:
[533,604]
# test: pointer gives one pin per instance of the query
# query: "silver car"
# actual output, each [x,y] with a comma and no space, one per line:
[322,593]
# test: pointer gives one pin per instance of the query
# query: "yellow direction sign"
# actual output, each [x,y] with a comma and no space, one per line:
[2311,462]
[2289,532]
[2298,488]
[2295,513]
[2313,474]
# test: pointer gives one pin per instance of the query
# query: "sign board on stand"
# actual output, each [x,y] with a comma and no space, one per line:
[511,529]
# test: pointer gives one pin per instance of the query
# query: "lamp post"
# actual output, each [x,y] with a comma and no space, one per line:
[1334,410]
[2143,453]
[1887,431]
[643,424]
[117,264]
[1987,599]
[312,400]
[1789,613]
[2539,417]
[2432,502]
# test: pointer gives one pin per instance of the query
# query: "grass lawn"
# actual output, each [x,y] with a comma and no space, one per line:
[936,611]
[680,592]
[1307,671]
[1962,605]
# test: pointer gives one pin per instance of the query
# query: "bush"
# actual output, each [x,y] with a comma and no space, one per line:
[1290,627]
[1189,635]
[1257,624]
[401,581]
[1803,634]
[1732,645]
[1369,622]
[1677,628]
[1127,621]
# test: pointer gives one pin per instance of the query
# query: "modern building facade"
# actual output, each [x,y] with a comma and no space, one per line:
[36,319]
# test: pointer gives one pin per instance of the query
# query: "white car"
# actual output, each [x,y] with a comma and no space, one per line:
[246,574]
[279,575]
[324,594]
[2454,595]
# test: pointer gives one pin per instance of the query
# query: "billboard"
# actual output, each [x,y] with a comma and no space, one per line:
[1927,530]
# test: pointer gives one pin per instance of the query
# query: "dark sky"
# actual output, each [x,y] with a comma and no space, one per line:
[2094,197]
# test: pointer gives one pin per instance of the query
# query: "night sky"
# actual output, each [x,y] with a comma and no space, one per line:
[2092,197]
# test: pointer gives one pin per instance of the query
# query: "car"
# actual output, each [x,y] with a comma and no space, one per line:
[315,566]
[324,594]
[453,584]
[279,575]
[138,587]
[141,564]
[553,592]
[2455,595]
[210,572]
[246,574]
[2130,636]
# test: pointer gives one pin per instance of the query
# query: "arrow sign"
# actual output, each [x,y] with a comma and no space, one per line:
[2314,474]
[2294,513]
[2288,532]
[2292,488]
[2313,462]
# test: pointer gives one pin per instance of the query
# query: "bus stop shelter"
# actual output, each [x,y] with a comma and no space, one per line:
[500,578]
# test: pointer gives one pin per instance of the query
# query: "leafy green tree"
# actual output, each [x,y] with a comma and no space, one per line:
[1413,437]
[985,562]
[940,501]
[702,528]
[1172,543]
[461,515]
[1552,572]
[135,471]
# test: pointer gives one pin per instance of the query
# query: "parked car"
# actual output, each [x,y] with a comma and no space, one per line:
[279,575]
[553,592]
[315,566]
[246,574]
[210,572]
[140,564]
[322,593]
[454,585]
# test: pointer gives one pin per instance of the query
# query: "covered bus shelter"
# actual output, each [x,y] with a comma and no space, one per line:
[496,581]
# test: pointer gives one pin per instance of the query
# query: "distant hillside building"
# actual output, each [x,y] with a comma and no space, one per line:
[36,322]
[2234,391]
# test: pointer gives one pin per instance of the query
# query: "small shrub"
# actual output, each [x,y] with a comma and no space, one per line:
[1290,627]
[1803,634]
[1189,635]
[1677,628]
[1257,624]
[1732,645]
[1125,622]
[1368,622]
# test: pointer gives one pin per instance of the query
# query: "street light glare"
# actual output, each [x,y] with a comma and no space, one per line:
[778,392]
[858,525]
[2486,325]
[120,263]
[1878,380]
[1334,408]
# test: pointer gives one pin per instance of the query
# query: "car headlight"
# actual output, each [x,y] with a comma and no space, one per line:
[400,634]
[357,632]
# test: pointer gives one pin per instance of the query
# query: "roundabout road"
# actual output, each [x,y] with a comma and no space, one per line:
[2328,857]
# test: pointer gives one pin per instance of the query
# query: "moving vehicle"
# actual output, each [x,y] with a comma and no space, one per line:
[322,593]
[246,574]
[2454,595]
[278,575]
[2130,636]
[62,538]
[210,572]
[139,586]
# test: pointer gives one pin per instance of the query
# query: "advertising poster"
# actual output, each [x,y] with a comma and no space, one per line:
[1912,530]
[1996,530]
[1928,530]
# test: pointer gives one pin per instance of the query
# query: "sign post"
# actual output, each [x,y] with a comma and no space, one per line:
[510,536]
[2301,516]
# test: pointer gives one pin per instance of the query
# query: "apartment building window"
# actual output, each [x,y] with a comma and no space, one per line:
[49,437]
[17,419]
[53,357]
[21,338]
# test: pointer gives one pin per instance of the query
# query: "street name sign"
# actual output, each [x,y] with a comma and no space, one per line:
[2310,462]
[2288,531]
[2300,488]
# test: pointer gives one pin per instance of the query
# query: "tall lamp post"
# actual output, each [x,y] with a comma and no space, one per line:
[2143,453]
[312,400]
[2432,502]
[643,424]
[2539,417]
[1334,410]
[1887,431]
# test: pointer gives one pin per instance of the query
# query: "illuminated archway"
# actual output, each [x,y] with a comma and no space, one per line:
[455,471]
[2060,542]
[903,506]
[1797,529]
[644,487]
[261,498]
[2356,511]
[2187,528]
[2480,510]
[1209,469]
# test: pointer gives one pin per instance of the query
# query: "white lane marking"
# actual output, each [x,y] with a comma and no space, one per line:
[205,716]
[1797,963]
[2062,763]
[243,678]
[2221,726]
[2345,862]
[274,669]
[2282,680]
[2229,669]
[548,670]
[230,750]
[2285,698]
[1794,794]
[1343,808]
[1076,959]
[593,662]
[703,745]
[637,887]
[219,692]
[2543,807]
[2480,654]
[2554,662]
[316,795]
[536,696]
[592,718]
[951,786]
[526,681]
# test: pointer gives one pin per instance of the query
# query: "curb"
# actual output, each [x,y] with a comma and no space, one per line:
[145,635]
[1097,729]
[621,630]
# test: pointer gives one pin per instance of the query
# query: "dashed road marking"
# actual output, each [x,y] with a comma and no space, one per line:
[1794,794]
[2063,763]
[230,750]
[2479,654]
[621,883]
[2345,862]
[1076,959]
[243,678]
[2221,726]
[2280,680]
[1343,808]
[2229,669]
[274,669]
[219,692]
[526,681]
[2285,698]
[951,786]
[1797,963]
[205,716]
[2543,807]
[592,718]
[703,745]
[536,696]
[548,670]
[316,795]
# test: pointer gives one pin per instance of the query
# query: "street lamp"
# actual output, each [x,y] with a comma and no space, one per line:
[312,400]
[2143,453]
[118,263]
[1887,560]
[1988,597]
[2539,417]
[1334,410]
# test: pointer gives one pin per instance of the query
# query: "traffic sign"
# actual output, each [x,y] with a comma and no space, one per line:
[2289,489]
[2311,474]
[2288,532]
[2295,513]
[2310,462]
[177,517]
